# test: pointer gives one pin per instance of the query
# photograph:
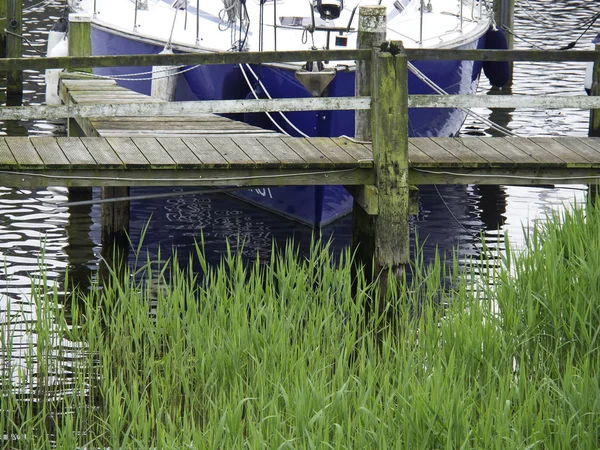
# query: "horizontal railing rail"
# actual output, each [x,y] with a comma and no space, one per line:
[187,59]
[297,104]
[289,105]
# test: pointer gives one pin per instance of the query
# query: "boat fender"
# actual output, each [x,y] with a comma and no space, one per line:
[60,48]
[497,72]
[164,79]
[589,70]
[56,34]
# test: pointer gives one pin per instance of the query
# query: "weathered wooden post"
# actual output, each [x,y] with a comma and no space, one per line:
[372,24]
[504,15]
[2,28]
[114,215]
[14,49]
[384,238]
[80,44]
[594,127]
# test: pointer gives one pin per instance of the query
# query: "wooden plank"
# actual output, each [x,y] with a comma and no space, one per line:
[175,133]
[6,156]
[536,151]
[436,152]
[171,119]
[127,152]
[360,152]
[154,152]
[75,151]
[553,146]
[179,152]
[86,83]
[416,156]
[102,153]
[308,152]
[484,148]
[231,152]
[152,124]
[592,142]
[257,152]
[283,152]
[507,149]
[99,100]
[467,156]
[206,153]
[24,152]
[579,147]
[334,152]
[50,151]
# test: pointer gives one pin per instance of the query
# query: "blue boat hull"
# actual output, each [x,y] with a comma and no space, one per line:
[313,205]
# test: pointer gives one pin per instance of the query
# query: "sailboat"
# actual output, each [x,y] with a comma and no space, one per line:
[154,26]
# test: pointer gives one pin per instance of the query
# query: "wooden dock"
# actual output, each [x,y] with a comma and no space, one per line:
[133,140]
[277,161]
[207,149]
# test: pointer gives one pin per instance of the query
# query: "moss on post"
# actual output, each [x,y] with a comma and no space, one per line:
[80,31]
[14,49]
[383,240]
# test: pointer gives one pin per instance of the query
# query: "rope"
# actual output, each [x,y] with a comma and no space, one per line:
[12,33]
[129,77]
[301,133]
[175,180]
[256,97]
[440,91]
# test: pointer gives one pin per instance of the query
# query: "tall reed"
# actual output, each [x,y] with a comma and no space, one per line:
[289,354]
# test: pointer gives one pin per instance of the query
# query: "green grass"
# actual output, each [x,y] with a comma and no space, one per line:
[284,356]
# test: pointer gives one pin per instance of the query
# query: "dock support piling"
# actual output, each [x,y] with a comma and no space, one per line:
[14,49]
[114,215]
[383,239]
[2,28]
[80,44]
[594,126]
[504,15]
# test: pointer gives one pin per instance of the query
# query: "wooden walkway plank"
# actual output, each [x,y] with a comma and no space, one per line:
[179,152]
[128,152]
[229,150]
[467,156]
[334,152]
[360,152]
[258,152]
[484,147]
[417,157]
[6,156]
[24,152]
[509,150]
[308,152]
[571,158]
[76,152]
[154,152]
[102,152]
[206,153]
[593,143]
[580,148]
[436,152]
[288,157]
[536,151]
[50,152]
